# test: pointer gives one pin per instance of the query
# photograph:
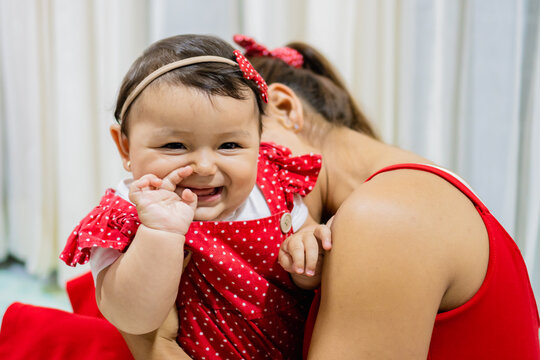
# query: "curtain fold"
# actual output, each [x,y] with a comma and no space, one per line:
[62,63]
[528,201]
[22,133]
[3,154]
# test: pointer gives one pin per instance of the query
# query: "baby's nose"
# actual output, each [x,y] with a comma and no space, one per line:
[204,164]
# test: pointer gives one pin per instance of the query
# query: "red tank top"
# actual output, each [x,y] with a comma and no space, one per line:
[501,320]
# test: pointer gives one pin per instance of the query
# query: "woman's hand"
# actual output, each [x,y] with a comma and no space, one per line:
[158,205]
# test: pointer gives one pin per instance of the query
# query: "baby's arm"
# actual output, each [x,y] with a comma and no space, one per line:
[137,291]
[301,254]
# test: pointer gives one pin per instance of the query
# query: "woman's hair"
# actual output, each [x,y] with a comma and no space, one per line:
[318,84]
[212,78]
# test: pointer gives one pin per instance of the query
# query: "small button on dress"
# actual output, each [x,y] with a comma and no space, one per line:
[285,223]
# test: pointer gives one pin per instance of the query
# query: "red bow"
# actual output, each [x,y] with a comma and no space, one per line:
[253,48]
[251,74]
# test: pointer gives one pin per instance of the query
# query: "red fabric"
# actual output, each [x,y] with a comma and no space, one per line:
[291,56]
[294,174]
[33,332]
[82,295]
[250,73]
[501,320]
[310,322]
[235,301]
[110,224]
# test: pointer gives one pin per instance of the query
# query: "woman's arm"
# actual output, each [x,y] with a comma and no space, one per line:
[388,270]
[159,344]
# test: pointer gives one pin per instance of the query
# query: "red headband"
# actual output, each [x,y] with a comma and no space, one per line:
[253,48]
[250,73]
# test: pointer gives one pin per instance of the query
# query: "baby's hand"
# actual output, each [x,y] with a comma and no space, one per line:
[302,252]
[159,207]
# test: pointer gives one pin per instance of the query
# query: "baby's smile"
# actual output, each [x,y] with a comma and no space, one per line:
[206,194]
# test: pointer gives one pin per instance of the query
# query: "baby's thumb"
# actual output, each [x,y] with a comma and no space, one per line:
[190,198]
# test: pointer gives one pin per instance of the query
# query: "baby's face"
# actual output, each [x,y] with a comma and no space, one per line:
[175,126]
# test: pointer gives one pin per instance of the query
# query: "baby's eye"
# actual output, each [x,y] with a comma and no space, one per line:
[174,146]
[229,146]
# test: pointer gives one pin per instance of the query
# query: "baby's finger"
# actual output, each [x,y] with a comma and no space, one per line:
[324,235]
[285,261]
[145,182]
[296,251]
[312,254]
[175,177]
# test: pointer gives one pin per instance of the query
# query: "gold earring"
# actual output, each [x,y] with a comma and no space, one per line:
[128,164]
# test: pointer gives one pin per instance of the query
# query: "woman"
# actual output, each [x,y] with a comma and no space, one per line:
[419,267]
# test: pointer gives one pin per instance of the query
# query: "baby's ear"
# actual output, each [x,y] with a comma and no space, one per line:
[285,107]
[122,144]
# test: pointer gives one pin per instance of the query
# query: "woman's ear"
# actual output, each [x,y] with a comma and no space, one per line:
[122,144]
[285,107]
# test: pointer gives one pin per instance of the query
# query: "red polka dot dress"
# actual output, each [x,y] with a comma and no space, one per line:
[234,301]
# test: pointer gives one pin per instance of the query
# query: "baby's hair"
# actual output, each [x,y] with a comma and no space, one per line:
[212,78]
[317,83]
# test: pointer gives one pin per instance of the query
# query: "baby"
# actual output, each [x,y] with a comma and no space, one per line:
[209,208]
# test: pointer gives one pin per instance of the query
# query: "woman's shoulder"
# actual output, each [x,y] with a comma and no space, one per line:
[417,206]
[416,216]
[410,194]
[399,257]
[402,209]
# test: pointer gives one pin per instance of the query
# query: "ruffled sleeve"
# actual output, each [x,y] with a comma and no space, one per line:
[295,174]
[111,224]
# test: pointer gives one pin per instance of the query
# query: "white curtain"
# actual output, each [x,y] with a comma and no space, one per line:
[457,81]
[61,65]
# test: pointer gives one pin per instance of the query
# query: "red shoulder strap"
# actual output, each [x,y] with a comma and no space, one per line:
[270,187]
[441,173]
[281,175]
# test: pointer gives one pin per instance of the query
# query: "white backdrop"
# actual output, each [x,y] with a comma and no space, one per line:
[457,81]
[61,65]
